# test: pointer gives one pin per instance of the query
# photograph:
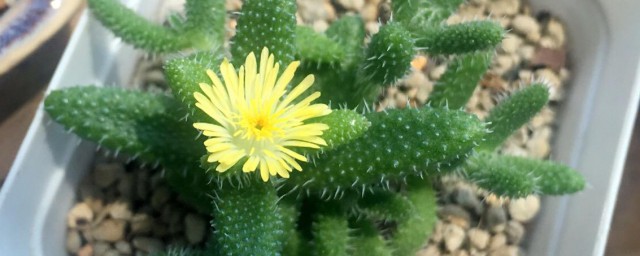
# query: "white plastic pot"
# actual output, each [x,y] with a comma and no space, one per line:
[596,124]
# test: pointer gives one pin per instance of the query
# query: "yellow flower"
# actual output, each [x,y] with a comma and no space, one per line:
[257,121]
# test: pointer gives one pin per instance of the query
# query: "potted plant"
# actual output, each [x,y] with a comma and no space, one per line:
[458,139]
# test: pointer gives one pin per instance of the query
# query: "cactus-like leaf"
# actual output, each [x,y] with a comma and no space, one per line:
[385,205]
[368,241]
[330,234]
[344,126]
[348,32]
[519,177]
[399,143]
[266,23]
[291,239]
[388,56]
[512,113]
[136,30]
[413,231]
[246,220]
[144,125]
[457,84]
[314,48]
[206,18]
[461,38]
[415,15]
[184,76]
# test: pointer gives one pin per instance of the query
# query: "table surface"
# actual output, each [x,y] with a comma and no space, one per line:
[22,89]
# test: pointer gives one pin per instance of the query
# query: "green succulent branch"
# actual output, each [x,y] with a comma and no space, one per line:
[266,23]
[457,84]
[331,233]
[440,139]
[367,240]
[136,30]
[516,177]
[512,113]
[246,220]
[415,15]
[461,38]
[410,233]
[206,18]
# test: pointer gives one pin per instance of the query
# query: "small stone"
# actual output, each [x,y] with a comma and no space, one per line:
[538,147]
[148,244]
[464,196]
[372,27]
[453,237]
[126,186]
[437,72]
[460,253]
[123,247]
[526,51]
[505,62]
[548,57]
[514,232]
[550,77]
[430,250]
[320,26]
[79,216]
[555,30]
[160,197]
[141,224]
[369,13]
[120,210]
[506,251]
[154,77]
[112,252]
[86,250]
[511,43]
[105,174]
[455,215]
[478,238]
[494,216]
[354,5]
[497,241]
[74,241]
[503,7]
[109,230]
[195,228]
[312,10]
[525,25]
[142,185]
[100,248]
[524,209]
[438,232]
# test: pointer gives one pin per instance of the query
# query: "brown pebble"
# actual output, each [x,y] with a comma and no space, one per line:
[80,216]
[551,58]
[148,244]
[109,230]
[195,228]
[86,250]
[141,223]
[106,174]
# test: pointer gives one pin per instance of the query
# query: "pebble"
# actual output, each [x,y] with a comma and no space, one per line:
[120,210]
[497,241]
[86,250]
[147,244]
[100,248]
[109,230]
[453,237]
[455,215]
[123,247]
[510,44]
[495,217]
[525,25]
[195,228]
[160,197]
[74,241]
[141,223]
[465,197]
[504,7]
[353,5]
[478,238]
[80,216]
[106,174]
[506,251]
[524,209]
[514,232]
[430,250]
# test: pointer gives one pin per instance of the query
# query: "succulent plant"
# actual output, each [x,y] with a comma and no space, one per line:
[231,139]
